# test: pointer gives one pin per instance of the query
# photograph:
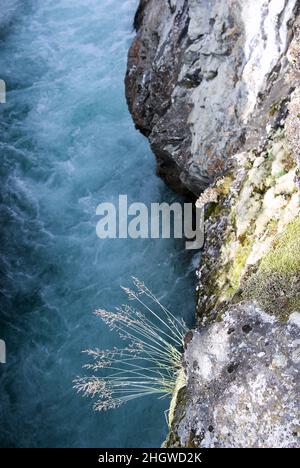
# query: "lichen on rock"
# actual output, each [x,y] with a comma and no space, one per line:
[243,384]
[263,201]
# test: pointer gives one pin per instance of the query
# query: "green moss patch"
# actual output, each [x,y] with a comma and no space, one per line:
[239,264]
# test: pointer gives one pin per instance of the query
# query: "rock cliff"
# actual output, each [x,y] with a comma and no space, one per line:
[202,78]
[214,85]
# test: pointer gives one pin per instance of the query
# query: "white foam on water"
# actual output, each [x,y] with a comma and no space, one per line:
[68,143]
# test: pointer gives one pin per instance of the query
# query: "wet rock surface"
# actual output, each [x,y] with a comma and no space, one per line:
[242,383]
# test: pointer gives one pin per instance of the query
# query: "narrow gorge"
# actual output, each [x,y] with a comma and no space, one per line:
[214,85]
[68,144]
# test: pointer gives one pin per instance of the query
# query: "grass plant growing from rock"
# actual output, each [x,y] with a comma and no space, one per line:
[149,363]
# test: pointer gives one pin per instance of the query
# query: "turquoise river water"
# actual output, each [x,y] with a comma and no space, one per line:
[68,143]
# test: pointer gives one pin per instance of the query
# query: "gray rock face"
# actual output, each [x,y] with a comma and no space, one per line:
[242,383]
[154,63]
[202,76]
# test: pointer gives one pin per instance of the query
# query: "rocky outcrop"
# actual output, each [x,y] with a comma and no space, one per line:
[154,64]
[203,78]
[215,86]
[243,383]
[253,233]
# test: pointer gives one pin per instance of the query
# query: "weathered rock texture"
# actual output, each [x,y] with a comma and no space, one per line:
[214,85]
[203,78]
[243,383]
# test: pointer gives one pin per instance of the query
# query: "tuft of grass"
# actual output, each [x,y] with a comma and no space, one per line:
[151,361]
[276,284]
[285,254]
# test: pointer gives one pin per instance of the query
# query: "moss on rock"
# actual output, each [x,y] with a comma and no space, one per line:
[243,227]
